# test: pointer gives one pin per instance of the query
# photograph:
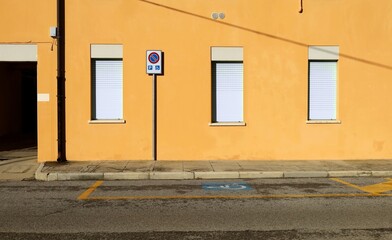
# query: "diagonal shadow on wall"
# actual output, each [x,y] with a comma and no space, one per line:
[278,38]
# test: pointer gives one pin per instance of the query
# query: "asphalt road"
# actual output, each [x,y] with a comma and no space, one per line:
[358,208]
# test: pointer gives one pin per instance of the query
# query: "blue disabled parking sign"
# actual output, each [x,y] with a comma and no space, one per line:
[154,62]
[234,186]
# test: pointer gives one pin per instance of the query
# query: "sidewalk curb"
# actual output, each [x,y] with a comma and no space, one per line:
[40,176]
[61,176]
[305,174]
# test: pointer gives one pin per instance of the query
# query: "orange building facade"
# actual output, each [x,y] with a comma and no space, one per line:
[242,79]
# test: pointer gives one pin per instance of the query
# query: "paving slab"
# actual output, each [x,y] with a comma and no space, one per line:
[19,153]
[197,166]
[222,166]
[139,166]
[168,166]
[18,169]
[111,166]
[64,167]
[90,169]
[253,165]
[266,165]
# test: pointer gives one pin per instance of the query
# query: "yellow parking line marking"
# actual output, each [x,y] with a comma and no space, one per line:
[347,183]
[379,188]
[373,189]
[91,189]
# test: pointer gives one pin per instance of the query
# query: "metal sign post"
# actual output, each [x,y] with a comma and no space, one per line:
[154,67]
[154,117]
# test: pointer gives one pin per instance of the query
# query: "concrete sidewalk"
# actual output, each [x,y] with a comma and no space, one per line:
[18,165]
[130,170]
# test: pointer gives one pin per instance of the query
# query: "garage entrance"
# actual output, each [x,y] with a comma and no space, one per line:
[18,105]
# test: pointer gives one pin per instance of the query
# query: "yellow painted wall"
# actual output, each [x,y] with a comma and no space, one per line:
[28,22]
[275,39]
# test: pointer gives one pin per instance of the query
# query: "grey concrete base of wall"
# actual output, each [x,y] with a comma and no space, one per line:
[61,176]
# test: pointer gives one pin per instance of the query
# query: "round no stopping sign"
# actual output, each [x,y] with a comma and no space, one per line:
[153,57]
[154,62]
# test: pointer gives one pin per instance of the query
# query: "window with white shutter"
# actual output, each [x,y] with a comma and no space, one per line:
[227,85]
[228,91]
[107,89]
[322,83]
[107,82]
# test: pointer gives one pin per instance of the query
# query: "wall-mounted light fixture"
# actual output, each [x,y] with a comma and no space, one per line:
[216,15]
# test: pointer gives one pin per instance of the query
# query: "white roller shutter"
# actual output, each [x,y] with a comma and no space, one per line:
[228,92]
[107,89]
[322,90]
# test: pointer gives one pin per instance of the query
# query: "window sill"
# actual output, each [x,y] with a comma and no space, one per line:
[227,124]
[323,122]
[120,121]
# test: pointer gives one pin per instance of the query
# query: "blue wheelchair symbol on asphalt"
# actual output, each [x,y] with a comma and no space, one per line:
[149,67]
[226,186]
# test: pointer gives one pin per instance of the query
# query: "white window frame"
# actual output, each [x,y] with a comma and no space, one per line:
[220,104]
[322,85]
[112,56]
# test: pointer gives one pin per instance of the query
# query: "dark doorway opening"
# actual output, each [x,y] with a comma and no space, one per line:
[18,105]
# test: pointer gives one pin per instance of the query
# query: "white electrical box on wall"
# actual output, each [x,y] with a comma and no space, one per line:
[53,32]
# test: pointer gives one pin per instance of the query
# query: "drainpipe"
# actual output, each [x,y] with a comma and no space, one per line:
[61,157]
